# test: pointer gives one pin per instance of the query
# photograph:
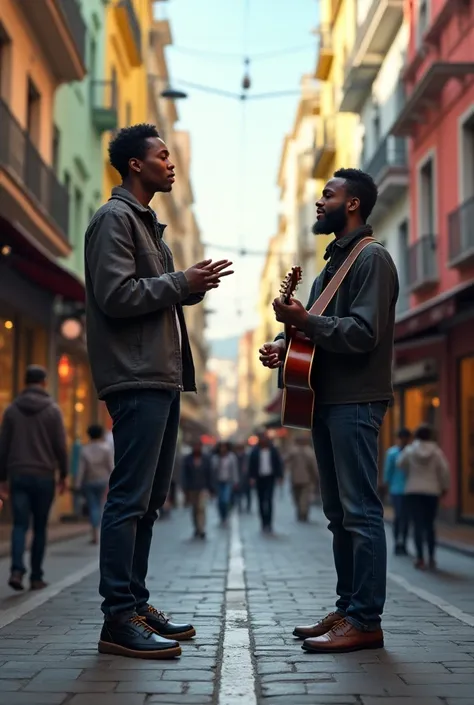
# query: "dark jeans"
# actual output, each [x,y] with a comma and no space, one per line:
[400,520]
[31,496]
[423,509]
[224,496]
[345,439]
[145,431]
[265,490]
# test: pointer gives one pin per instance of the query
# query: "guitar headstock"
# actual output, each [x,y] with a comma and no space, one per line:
[290,283]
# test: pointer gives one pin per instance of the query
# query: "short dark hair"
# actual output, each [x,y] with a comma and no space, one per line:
[130,142]
[424,432]
[362,186]
[35,374]
[95,431]
[404,433]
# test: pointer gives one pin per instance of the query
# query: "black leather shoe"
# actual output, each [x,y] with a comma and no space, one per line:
[134,638]
[160,623]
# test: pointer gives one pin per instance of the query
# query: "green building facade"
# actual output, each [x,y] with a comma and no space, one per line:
[83,112]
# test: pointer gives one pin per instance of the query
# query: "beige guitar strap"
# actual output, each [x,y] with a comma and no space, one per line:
[322,302]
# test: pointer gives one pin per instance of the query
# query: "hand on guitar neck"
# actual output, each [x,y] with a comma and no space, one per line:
[292,313]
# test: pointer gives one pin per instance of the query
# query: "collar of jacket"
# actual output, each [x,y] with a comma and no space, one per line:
[122,194]
[347,240]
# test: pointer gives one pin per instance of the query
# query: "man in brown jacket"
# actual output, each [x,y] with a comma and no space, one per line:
[32,451]
[301,463]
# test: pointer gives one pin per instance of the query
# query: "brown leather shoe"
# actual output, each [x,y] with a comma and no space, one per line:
[342,638]
[322,627]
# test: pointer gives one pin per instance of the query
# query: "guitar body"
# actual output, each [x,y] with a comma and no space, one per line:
[298,395]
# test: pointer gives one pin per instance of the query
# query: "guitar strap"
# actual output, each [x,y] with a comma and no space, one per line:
[322,302]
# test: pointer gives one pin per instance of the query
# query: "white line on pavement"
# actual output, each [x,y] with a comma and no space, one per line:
[433,599]
[237,685]
[13,613]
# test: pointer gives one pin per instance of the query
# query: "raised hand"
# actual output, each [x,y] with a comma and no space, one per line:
[207,274]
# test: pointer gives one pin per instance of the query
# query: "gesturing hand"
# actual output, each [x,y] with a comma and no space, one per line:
[272,354]
[206,275]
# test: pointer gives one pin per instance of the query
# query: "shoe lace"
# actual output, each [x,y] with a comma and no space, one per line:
[329,616]
[158,613]
[341,628]
[139,621]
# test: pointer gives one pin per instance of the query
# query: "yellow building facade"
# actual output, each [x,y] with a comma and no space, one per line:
[128,26]
[336,139]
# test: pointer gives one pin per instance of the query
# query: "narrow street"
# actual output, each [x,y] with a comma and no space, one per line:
[244,592]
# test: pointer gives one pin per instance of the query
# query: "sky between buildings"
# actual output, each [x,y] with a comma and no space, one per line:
[236,146]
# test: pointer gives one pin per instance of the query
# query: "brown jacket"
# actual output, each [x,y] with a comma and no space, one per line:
[33,437]
[301,464]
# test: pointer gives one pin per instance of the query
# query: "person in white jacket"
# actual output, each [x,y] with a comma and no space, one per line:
[428,479]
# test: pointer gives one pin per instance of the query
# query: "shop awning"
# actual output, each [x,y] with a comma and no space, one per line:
[34,262]
[429,314]
[274,406]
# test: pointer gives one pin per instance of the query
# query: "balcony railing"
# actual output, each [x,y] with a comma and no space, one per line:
[76,24]
[392,152]
[423,263]
[104,105]
[325,53]
[130,24]
[461,234]
[19,155]
[325,147]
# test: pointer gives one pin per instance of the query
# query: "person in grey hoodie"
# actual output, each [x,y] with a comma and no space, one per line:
[33,454]
[96,463]
[428,479]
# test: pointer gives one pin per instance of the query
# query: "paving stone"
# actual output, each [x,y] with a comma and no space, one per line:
[149,686]
[34,698]
[109,699]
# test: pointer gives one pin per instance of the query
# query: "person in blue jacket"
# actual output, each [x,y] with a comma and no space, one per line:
[395,479]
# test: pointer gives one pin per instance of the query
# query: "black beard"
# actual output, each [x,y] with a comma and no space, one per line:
[333,222]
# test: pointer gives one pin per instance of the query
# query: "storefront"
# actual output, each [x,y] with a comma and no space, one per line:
[466,437]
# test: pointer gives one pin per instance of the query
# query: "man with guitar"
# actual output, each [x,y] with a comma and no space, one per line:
[351,377]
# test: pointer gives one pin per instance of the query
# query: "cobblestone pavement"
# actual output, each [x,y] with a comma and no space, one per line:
[48,651]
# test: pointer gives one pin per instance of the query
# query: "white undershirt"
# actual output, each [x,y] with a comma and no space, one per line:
[265,469]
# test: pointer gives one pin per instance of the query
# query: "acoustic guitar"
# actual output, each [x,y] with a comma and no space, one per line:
[298,394]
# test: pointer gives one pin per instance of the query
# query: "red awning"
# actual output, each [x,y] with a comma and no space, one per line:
[432,312]
[32,260]
[274,406]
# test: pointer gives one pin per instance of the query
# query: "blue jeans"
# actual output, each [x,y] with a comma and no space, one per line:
[345,438]
[224,495]
[400,520]
[94,492]
[145,432]
[31,497]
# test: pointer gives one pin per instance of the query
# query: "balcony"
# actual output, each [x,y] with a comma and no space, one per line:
[389,169]
[373,40]
[427,93]
[104,105]
[461,235]
[26,174]
[423,263]
[325,54]
[325,148]
[334,8]
[129,25]
[60,32]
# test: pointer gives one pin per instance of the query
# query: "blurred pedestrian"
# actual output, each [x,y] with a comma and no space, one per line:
[33,456]
[265,469]
[96,463]
[302,467]
[242,489]
[428,479]
[141,362]
[197,482]
[395,480]
[226,477]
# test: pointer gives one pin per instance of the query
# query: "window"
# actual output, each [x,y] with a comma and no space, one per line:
[403,264]
[376,129]
[33,113]
[92,58]
[128,114]
[55,150]
[78,207]
[423,19]
[7,346]
[427,199]
[466,410]
[5,63]
[467,146]
[67,182]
